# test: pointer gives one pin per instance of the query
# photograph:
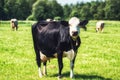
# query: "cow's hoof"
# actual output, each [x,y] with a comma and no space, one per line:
[59,77]
[72,76]
[40,75]
[45,74]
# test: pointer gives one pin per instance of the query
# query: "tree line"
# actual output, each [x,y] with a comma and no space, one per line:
[43,9]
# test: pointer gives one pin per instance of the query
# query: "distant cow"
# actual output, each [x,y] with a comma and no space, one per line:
[14,24]
[56,39]
[83,25]
[100,26]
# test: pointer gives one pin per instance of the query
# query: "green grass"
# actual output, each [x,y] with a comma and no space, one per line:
[98,57]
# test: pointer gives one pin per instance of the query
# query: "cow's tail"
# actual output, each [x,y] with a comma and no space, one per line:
[34,34]
[33,30]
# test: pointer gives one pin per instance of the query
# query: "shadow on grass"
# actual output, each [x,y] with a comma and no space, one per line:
[84,77]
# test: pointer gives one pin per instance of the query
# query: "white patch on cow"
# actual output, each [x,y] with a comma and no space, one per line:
[43,57]
[55,55]
[74,21]
[73,25]
[40,72]
[69,54]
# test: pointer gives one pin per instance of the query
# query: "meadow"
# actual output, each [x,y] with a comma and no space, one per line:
[98,57]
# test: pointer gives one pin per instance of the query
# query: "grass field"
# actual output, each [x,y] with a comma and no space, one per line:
[98,57]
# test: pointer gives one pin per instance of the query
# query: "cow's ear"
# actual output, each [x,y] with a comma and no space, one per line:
[84,22]
[64,23]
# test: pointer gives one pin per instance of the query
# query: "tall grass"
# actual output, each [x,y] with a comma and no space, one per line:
[98,57]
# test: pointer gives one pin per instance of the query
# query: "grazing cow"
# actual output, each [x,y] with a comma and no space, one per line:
[83,24]
[56,39]
[100,26]
[14,24]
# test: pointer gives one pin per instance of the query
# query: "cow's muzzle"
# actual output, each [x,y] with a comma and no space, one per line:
[75,33]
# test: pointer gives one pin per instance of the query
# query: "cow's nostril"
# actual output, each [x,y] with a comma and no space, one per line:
[75,33]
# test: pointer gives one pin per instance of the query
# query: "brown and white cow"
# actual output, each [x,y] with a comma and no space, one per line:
[100,26]
[14,24]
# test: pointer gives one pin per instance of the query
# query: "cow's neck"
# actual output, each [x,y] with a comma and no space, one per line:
[73,42]
[74,38]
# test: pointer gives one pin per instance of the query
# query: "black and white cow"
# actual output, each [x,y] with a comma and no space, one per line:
[56,40]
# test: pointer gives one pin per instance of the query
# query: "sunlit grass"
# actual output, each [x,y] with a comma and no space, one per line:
[98,57]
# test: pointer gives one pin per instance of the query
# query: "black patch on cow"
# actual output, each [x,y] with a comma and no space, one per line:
[64,23]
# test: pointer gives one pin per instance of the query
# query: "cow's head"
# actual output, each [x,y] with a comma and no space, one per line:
[74,25]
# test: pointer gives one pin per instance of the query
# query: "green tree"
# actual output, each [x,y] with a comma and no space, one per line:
[75,10]
[67,11]
[57,9]
[97,9]
[2,12]
[31,2]
[93,10]
[85,11]
[46,9]
[11,8]
[112,9]
[19,9]
[39,10]
[101,11]
[24,9]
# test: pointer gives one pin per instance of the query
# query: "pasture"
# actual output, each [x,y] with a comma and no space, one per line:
[98,57]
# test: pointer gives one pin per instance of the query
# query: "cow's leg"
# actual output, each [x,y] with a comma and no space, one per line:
[60,64]
[40,72]
[38,60]
[102,29]
[12,28]
[72,67]
[16,28]
[39,64]
[37,51]
[44,68]
[97,29]
[85,28]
